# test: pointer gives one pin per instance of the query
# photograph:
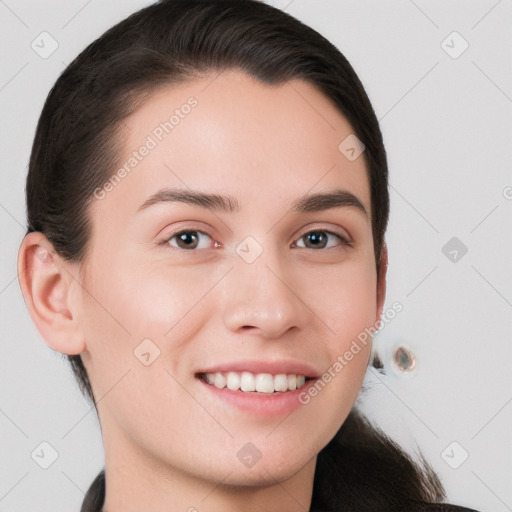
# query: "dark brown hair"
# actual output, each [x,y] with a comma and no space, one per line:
[77,146]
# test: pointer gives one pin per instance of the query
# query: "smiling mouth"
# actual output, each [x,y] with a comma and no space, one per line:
[256,383]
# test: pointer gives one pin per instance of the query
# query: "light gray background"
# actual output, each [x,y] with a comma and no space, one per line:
[447,125]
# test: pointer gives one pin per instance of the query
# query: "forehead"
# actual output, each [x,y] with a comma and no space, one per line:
[229,131]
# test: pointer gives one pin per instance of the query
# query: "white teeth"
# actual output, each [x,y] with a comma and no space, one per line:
[220,380]
[233,381]
[292,382]
[260,382]
[280,382]
[247,382]
[264,383]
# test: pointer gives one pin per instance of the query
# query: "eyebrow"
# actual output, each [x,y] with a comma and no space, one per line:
[223,203]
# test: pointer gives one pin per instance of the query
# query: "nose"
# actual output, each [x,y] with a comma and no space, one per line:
[261,296]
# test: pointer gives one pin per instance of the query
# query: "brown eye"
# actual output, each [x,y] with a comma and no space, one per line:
[319,239]
[189,239]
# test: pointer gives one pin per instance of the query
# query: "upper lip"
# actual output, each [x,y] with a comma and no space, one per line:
[287,366]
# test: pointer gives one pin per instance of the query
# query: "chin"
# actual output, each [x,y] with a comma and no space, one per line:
[261,475]
[273,464]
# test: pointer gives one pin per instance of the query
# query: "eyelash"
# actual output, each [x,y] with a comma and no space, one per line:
[344,240]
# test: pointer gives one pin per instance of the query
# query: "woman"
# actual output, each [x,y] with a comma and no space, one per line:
[207,201]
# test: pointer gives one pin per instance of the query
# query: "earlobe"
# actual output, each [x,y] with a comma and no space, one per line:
[381,282]
[47,289]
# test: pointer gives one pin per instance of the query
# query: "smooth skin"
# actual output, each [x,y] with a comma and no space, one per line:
[170,443]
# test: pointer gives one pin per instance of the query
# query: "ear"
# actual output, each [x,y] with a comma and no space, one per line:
[50,292]
[381,281]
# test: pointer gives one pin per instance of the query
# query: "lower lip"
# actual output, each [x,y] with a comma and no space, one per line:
[261,404]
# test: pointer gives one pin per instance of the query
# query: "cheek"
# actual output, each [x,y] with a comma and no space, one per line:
[137,301]
[137,313]
[352,312]
[347,307]
[346,301]
[136,326]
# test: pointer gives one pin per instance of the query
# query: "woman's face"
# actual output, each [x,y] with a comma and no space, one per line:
[256,283]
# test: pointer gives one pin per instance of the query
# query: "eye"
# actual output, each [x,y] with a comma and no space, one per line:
[189,239]
[318,239]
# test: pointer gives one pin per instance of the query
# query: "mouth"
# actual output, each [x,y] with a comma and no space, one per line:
[255,383]
[263,389]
